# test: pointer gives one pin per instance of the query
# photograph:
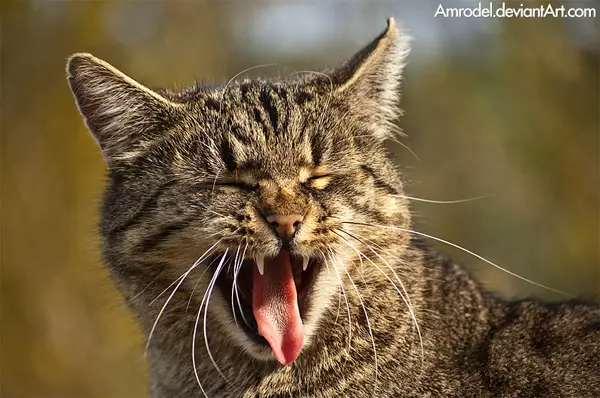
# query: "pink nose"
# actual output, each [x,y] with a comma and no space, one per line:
[285,225]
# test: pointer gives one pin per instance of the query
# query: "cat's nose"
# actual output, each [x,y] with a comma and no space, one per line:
[285,225]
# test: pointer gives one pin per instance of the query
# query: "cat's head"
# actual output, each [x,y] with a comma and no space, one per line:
[262,182]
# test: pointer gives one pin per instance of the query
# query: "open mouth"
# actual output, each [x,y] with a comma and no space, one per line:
[270,299]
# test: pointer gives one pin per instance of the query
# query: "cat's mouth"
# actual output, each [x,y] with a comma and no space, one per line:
[270,299]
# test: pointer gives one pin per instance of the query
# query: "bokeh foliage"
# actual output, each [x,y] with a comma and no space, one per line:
[513,115]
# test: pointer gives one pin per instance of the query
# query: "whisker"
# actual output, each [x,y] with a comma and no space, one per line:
[167,288]
[214,212]
[175,290]
[402,296]
[444,201]
[370,242]
[173,283]
[197,282]
[464,250]
[354,235]
[407,148]
[213,279]
[347,303]
[147,286]
[364,310]
[187,307]
[210,290]
[217,233]
[236,76]
[235,287]
[212,191]
[360,269]
[337,313]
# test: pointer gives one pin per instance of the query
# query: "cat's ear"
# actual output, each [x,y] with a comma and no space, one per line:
[370,81]
[120,113]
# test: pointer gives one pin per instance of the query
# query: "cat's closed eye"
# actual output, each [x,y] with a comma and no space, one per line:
[319,181]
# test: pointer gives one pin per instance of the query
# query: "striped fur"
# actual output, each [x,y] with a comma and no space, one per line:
[188,170]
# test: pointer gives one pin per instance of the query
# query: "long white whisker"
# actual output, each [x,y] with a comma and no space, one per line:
[362,303]
[217,232]
[464,250]
[197,282]
[212,191]
[393,139]
[210,289]
[237,75]
[187,307]
[145,288]
[362,275]
[404,298]
[443,201]
[196,325]
[175,290]
[325,262]
[235,263]
[337,313]
[368,244]
[347,304]
[354,235]
[237,293]
[167,288]
[235,287]
[407,148]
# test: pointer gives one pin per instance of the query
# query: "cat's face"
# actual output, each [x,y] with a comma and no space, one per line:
[251,188]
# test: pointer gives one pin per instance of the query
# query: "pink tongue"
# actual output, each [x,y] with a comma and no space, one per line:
[275,308]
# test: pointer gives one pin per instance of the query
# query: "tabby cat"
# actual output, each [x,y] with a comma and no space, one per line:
[259,232]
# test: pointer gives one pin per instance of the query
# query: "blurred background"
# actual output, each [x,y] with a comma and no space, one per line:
[503,108]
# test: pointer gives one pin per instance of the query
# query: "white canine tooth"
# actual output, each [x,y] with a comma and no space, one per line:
[260,264]
[304,263]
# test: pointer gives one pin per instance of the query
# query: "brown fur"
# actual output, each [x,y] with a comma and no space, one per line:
[191,169]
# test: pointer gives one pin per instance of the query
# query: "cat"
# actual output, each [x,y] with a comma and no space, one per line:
[284,186]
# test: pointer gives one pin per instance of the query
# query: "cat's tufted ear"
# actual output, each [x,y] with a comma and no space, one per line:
[121,113]
[370,81]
